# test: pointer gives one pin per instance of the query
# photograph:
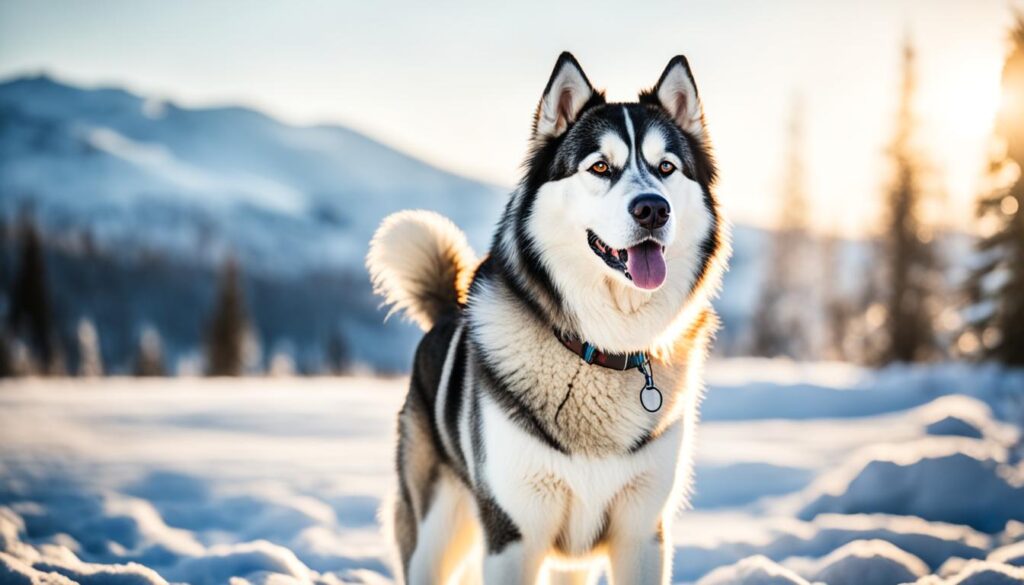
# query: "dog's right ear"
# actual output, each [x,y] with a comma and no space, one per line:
[568,92]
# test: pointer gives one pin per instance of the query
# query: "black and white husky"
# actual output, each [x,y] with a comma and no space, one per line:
[551,414]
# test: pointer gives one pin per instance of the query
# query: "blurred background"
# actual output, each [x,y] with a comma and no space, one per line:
[187,189]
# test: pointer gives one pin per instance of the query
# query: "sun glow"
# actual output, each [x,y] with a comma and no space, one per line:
[957,104]
[965,106]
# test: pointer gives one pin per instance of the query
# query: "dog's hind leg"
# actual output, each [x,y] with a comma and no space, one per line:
[446,535]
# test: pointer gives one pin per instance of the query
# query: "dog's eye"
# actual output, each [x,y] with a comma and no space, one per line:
[666,168]
[600,168]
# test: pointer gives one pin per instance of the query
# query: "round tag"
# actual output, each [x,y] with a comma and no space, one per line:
[650,398]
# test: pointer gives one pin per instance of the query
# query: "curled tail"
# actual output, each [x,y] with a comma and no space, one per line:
[420,262]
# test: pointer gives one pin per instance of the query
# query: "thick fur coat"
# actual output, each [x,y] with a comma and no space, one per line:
[517,460]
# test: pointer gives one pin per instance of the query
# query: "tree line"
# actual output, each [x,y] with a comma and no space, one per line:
[30,343]
[909,306]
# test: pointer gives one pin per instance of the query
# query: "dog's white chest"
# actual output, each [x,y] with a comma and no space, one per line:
[567,499]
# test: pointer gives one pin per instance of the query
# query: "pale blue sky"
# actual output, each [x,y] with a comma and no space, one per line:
[455,82]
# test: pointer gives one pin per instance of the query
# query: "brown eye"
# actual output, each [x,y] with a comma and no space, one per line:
[666,168]
[600,168]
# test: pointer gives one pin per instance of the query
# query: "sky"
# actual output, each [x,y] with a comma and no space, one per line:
[456,82]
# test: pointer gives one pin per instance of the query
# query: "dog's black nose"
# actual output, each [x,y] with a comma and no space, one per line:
[650,211]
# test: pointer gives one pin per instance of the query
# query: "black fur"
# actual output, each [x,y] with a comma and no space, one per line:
[499,530]
[514,408]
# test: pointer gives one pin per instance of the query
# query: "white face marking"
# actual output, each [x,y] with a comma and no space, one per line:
[632,142]
[611,310]
[654,149]
[613,151]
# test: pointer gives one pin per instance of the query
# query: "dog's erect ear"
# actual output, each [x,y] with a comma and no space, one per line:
[677,93]
[567,93]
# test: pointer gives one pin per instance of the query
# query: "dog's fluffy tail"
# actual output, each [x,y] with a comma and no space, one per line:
[421,264]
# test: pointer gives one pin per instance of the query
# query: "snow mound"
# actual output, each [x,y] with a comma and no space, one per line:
[979,573]
[1011,554]
[258,562]
[960,416]
[953,425]
[932,542]
[1014,532]
[105,526]
[756,570]
[50,564]
[926,478]
[53,564]
[868,561]
[252,558]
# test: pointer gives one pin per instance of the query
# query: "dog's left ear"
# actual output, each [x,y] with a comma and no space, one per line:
[676,92]
[568,92]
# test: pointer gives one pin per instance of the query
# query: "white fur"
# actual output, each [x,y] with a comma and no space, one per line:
[445,536]
[573,576]
[442,388]
[547,493]
[611,312]
[415,258]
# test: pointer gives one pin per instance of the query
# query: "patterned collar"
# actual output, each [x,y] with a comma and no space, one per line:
[592,355]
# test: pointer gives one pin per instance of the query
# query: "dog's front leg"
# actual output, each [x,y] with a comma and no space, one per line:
[640,559]
[516,547]
[639,525]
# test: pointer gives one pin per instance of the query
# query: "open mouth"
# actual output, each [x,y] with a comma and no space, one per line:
[643,263]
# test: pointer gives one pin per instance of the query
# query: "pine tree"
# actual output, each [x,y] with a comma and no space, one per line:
[149,356]
[90,361]
[779,326]
[837,309]
[337,353]
[31,316]
[910,276]
[228,329]
[996,321]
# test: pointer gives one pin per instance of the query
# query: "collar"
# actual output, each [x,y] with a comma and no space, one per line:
[592,355]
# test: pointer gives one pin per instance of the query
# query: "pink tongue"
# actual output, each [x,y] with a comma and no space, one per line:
[647,265]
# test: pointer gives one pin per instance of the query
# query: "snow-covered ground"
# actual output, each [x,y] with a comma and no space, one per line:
[806,473]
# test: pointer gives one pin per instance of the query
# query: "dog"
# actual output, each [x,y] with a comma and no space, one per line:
[550,419]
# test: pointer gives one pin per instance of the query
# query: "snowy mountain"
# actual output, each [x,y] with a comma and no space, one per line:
[198,183]
[140,200]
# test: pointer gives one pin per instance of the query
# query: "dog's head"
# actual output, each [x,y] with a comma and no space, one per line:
[616,220]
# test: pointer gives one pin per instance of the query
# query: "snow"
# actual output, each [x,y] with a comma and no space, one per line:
[279,480]
[924,478]
[756,570]
[1011,554]
[868,561]
[960,416]
[978,573]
